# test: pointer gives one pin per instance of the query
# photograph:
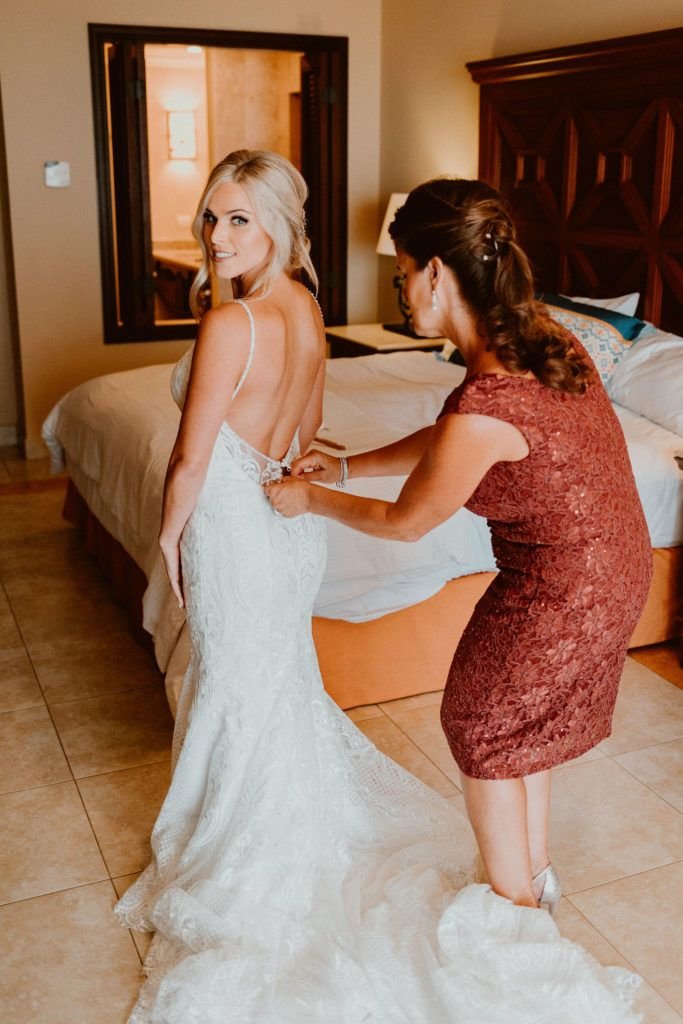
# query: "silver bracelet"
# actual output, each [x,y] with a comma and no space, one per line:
[343,472]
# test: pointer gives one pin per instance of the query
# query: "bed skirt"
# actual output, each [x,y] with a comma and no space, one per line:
[125,577]
[397,655]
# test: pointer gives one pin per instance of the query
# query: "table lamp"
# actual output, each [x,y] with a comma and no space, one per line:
[385,247]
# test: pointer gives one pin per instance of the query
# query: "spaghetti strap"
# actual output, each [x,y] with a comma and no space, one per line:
[252,345]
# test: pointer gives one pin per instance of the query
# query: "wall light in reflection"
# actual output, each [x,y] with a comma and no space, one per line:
[182,135]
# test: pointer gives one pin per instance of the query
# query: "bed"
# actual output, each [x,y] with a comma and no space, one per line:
[567,135]
[388,614]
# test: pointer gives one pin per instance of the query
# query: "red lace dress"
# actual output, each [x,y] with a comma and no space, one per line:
[534,678]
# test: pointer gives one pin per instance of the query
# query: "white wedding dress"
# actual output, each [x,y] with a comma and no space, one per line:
[299,876]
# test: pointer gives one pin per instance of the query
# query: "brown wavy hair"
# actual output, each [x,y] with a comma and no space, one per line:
[468,225]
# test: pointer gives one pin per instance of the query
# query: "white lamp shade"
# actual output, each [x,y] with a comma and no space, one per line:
[385,244]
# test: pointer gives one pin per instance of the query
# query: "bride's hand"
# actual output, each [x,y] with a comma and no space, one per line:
[171,553]
[317,466]
[289,497]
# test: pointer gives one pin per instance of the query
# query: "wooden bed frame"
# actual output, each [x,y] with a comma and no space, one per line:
[585,142]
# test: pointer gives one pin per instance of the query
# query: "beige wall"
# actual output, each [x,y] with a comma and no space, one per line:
[430,104]
[8,400]
[9,413]
[48,115]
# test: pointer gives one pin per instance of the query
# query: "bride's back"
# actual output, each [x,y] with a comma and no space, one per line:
[285,374]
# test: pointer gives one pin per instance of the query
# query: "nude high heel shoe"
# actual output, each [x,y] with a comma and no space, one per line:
[547,883]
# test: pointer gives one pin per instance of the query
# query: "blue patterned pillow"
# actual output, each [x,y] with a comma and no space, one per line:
[603,333]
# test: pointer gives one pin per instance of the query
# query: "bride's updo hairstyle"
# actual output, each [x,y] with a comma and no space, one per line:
[467,224]
[277,192]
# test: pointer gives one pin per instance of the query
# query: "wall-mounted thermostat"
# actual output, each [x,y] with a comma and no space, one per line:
[57,173]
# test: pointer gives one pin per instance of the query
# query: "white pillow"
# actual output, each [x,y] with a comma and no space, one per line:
[625,304]
[648,380]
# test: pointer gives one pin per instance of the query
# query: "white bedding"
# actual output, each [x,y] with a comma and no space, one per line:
[369,402]
[117,432]
[660,482]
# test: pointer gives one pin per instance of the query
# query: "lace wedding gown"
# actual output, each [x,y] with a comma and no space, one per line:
[299,876]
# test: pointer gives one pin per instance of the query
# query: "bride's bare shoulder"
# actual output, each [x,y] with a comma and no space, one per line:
[224,334]
[229,316]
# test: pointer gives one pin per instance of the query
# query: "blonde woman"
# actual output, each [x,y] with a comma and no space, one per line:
[298,875]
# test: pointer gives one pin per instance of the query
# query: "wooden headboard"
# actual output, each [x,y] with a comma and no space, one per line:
[586,142]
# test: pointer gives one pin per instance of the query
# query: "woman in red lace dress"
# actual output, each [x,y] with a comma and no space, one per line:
[529,440]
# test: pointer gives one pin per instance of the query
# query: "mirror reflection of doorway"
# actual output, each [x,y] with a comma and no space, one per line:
[202,103]
[168,105]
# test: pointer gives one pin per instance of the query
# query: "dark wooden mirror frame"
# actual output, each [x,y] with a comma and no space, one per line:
[324,156]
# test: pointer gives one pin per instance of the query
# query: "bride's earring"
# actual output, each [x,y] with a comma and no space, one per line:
[435,301]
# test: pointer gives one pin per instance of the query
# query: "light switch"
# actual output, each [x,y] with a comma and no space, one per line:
[57,173]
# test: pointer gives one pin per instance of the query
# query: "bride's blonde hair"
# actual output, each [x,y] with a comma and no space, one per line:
[277,192]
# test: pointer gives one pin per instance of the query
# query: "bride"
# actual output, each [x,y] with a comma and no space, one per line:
[299,876]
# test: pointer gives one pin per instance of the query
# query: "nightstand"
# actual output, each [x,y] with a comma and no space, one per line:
[369,339]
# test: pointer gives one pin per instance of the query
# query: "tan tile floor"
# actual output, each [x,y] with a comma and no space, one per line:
[84,762]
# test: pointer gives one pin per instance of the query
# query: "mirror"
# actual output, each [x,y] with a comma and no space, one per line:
[199,100]
[169,104]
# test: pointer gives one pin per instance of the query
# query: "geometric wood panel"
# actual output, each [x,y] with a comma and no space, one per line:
[586,143]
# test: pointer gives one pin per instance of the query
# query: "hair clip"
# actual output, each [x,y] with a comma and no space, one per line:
[494,242]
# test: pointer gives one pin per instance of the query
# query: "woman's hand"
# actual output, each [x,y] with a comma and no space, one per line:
[289,497]
[171,553]
[317,466]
